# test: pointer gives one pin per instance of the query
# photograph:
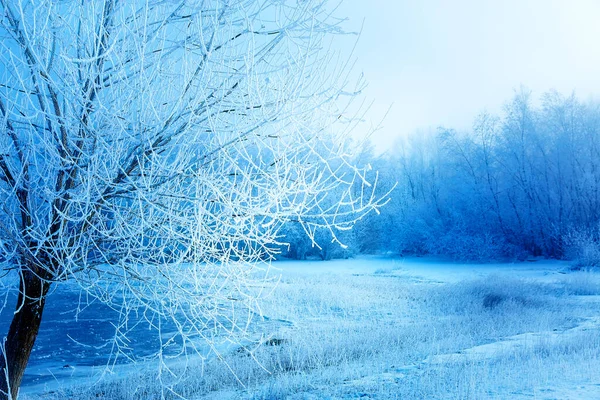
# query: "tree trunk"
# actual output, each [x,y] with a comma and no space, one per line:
[22,333]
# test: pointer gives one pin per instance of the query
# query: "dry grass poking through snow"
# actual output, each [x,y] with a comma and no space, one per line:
[389,335]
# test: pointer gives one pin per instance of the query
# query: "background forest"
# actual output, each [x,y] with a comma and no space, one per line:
[518,185]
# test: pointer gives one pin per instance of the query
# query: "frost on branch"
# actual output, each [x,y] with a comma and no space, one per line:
[150,151]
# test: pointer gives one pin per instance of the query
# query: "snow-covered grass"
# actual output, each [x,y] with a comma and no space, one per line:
[383,328]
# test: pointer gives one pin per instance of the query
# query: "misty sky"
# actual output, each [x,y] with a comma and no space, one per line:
[442,62]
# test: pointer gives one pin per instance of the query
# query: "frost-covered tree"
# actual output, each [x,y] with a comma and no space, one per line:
[519,184]
[150,150]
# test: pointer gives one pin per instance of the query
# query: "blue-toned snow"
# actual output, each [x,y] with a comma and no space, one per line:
[70,352]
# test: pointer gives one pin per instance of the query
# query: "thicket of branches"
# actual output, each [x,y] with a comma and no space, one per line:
[150,152]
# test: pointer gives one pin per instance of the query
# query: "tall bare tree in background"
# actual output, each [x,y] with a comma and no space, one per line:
[150,151]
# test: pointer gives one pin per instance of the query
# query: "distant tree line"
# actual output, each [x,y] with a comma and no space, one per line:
[522,184]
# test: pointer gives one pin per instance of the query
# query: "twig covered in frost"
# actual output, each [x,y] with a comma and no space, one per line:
[150,151]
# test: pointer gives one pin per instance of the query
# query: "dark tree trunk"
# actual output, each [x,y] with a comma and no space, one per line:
[22,333]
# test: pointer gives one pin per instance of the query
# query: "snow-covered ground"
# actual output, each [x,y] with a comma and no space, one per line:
[382,328]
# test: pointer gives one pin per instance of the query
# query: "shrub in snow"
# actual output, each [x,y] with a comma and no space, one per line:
[583,246]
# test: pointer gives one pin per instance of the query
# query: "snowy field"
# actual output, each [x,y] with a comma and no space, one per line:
[368,328]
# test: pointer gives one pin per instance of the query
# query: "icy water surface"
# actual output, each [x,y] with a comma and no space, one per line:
[69,339]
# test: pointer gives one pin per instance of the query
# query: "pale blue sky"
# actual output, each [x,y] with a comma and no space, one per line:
[442,62]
